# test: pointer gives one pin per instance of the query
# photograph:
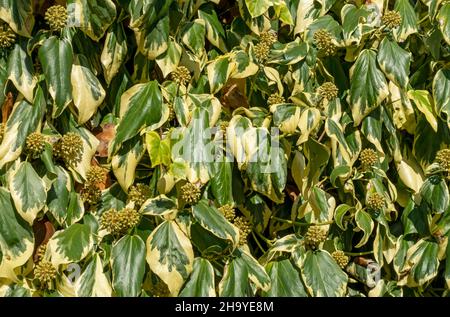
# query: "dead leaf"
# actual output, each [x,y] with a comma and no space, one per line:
[7,107]
[108,133]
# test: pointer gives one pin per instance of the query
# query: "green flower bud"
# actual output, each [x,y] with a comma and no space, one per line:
[7,36]
[45,272]
[324,42]
[228,212]
[56,17]
[328,91]
[245,228]
[181,75]
[269,37]
[275,99]
[340,258]
[35,144]
[375,201]
[119,222]
[368,158]
[314,236]
[443,159]
[190,193]
[129,218]
[95,175]
[391,19]
[69,148]
[262,52]
[139,193]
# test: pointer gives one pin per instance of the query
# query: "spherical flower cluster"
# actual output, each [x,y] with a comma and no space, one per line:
[314,236]
[69,148]
[443,159]
[228,212]
[91,194]
[35,144]
[40,252]
[324,42]
[328,91]
[391,19]
[95,175]
[368,158]
[190,193]
[138,194]
[245,228]
[340,258]
[269,37]
[181,75]
[7,36]
[375,201]
[262,50]
[275,99]
[45,272]
[56,17]
[119,222]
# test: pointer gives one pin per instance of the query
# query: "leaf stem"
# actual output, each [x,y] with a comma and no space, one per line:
[257,243]
[358,253]
[302,224]
[267,241]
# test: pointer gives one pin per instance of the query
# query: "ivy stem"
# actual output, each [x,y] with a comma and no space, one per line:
[358,253]
[267,241]
[257,243]
[301,224]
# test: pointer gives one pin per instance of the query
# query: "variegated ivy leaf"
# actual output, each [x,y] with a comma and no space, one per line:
[19,15]
[307,11]
[213,220]
[368,87]
[169,61]
[434,192]
[222,182]
[141,106]
[394,61]
[244,67]
[409,23]
[24,119]
[71,244]
[335,131]
[170,255]
[286,117]
[201,280]
[16,237]
[90,144]
[219,71]
[158,150]
[285,280]
[258,24]
[309,120]
[214,30]
[58,196]
[93,17]
[422,99]
[56,57]
[87,91]
[27,191]
[443,20]
[20,70]
[441,92]
[238,274]
[352,28]
[93,282]
[114,52]
[322,204]
[365,223]
[421,263]
[124,163]
[158,206]
[322,275]
[288,54]
[403,115]
[194,36]
[257,7]
[128,266]
[153,42]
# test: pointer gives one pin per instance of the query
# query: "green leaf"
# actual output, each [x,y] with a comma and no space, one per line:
[409,24]
[24,119]
[124,163]
[93,17]
[434,192]
[214,30]
[16,237]
[170,255]
[339,214]
[218,73]
[19,15]
[87,91]
[27,191]
[56,57]
[141,106]
[20,70]
[128,266]
[169,61]
[159,150]
[201,281]
[71,244]
[158,206]
[152,43]
[212,220]
[257,7]
[443,20]
[422,99]
[395,62]
[194,36]
[441,92]
[368,87]
[114,52]
[93,282]
[352,26]
[222,183]
[322,276]
[59,194]
[365,223]
[285,279]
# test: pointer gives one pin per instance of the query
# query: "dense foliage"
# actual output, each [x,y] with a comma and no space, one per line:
[224,148]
